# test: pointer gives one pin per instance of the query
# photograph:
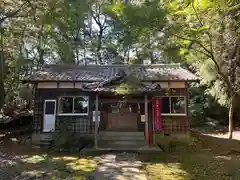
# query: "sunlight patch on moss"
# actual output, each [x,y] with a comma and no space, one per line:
[223,157]
[56,166]
[69,158]
[33,173]
[168,171]
[56,158]
[34,159]
[73,177]
[83,165]
[14,139]
[189,166]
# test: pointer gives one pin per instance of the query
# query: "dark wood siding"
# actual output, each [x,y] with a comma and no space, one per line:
[78,124]
[175,124]
[105,107]
[172,124]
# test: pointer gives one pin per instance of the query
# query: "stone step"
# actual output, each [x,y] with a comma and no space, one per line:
[120,147]
[121,143]
[131,138]
[128,142]
[115,133]
[112,146]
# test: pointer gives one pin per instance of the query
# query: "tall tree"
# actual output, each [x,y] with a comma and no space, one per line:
[207,33]
[8,10]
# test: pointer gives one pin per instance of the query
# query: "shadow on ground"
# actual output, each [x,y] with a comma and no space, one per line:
[26,162]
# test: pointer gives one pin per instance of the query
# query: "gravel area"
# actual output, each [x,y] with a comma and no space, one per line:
[9,169]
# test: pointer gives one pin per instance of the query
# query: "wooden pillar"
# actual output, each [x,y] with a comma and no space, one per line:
[96,123]
[187,105]
[187,98]
[146,118]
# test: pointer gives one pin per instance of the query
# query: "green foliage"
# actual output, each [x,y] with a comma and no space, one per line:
[204,110]
[212,29]
[125,88]
[206,43]
[129,86]
[140,33]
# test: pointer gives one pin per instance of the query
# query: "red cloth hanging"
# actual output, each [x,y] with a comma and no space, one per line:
[157,118]
[157,111]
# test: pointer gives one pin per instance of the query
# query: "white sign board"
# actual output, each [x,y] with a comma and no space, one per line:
[142,118]
[94,113]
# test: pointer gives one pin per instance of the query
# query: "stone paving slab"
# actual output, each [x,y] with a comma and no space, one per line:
[122,166]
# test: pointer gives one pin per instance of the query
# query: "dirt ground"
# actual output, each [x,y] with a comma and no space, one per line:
[224,135]
[213,157]
[24,162]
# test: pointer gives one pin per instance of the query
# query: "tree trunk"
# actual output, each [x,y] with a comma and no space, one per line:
[230,119]
[2,90]
[99,46]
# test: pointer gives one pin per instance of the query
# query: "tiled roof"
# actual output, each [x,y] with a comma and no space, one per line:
[93,73]
[141,88]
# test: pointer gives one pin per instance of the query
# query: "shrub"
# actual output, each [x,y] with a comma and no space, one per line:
[203,108]
[67,141]
[176,142]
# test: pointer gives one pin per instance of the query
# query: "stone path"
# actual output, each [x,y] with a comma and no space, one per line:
[122,166]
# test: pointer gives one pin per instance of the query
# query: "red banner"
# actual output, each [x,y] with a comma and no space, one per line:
[157,111]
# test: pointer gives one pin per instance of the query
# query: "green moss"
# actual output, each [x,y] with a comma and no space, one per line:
[192,166]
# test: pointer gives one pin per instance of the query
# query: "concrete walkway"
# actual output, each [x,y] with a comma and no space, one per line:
[122,166]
